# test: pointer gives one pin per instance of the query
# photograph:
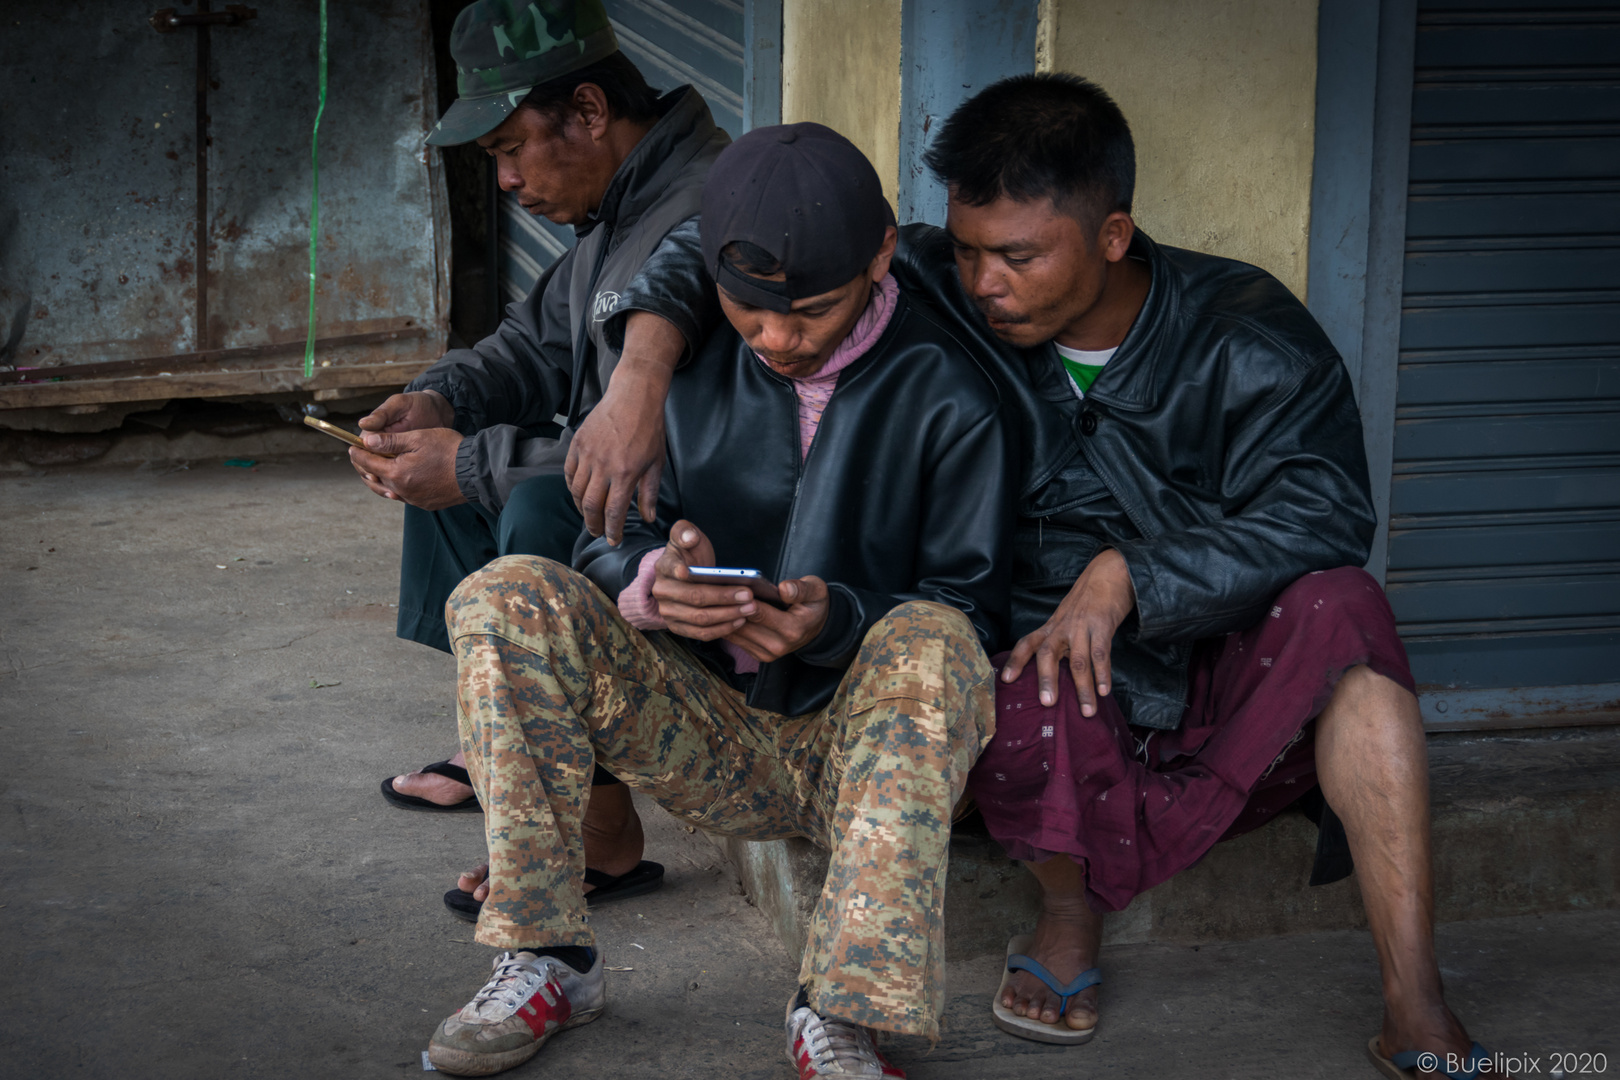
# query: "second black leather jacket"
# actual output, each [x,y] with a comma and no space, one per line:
[1225,427]
[906,493]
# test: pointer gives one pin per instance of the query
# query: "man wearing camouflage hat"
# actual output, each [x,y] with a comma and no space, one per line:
[471,446]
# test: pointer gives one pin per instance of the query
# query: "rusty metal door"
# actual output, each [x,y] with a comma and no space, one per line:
[128,133]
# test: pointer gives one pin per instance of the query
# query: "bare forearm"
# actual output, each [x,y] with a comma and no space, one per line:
[618,452]
[652,347]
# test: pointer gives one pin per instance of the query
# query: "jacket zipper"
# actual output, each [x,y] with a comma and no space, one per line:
[800,462]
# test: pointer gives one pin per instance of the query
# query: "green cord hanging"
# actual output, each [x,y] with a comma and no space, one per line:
[315,202]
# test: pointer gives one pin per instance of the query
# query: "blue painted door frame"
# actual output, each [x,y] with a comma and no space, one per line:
[949,51]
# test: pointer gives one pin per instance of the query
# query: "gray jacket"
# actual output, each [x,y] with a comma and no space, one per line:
[550,359]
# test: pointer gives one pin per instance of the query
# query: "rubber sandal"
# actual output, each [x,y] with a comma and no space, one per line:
[1403,1066]
[605,889]
[469,805]
[1028,1027]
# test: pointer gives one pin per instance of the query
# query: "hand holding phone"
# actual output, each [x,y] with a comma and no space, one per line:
[694,608]
[740,605]
[338,433]
[754,581]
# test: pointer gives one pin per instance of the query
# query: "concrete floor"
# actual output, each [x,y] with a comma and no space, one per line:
[200,693]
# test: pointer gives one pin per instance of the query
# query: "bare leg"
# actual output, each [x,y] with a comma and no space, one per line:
[1372,763]
[613,839]
[1067,937]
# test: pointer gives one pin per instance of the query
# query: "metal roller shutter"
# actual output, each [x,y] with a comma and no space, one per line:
[695,41]
[1504,550]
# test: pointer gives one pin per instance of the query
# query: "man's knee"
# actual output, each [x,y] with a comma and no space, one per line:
[921,629]
[527,589]
[1373,694]
[929,653]
[539,518]
[1343,594]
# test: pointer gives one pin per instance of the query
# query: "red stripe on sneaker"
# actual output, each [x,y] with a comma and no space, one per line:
[543,1017]
[807,1070]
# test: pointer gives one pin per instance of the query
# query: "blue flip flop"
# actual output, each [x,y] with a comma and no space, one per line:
[1029,1027]
[1403,1065]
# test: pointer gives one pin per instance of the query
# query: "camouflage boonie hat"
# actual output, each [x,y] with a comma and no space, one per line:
[505,48]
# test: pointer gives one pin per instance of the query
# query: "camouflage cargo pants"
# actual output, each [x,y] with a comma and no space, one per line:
[551,678]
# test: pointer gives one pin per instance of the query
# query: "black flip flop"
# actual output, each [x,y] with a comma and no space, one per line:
[605,889]
[469,805]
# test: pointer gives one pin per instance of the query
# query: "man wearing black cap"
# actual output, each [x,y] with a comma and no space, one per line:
[580,138]
[835,439]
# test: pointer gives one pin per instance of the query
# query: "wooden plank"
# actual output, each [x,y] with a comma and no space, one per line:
[216,384]
[212,359]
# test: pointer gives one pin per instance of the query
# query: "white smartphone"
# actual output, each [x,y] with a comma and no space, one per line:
[756,582]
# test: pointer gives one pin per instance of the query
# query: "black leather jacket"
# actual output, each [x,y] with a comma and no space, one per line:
[1225,428]
[906,493]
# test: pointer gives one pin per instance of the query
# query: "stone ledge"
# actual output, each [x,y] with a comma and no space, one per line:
[1522,823]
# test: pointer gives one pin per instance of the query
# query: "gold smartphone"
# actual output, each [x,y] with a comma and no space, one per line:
[338,433]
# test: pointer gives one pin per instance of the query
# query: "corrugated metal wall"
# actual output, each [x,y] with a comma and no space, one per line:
[697,42]
[1504,552]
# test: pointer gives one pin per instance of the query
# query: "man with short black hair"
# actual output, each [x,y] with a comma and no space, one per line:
[834,438]
[492,448]
[1195,511]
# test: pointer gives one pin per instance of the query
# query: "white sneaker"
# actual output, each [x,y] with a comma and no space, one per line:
[819,1047]
[528,1000]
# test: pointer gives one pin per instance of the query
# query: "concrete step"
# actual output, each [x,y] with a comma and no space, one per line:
[1523,823]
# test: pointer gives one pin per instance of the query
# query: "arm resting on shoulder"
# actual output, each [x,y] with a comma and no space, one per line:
[663,315]
[673,285]
[618,451]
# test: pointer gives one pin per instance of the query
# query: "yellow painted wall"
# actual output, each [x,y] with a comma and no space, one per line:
[841,67]
[1221,99]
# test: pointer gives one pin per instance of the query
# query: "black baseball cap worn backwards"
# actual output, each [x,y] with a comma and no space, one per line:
[805,194]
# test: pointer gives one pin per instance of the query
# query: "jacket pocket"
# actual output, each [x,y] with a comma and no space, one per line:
[1075,485]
